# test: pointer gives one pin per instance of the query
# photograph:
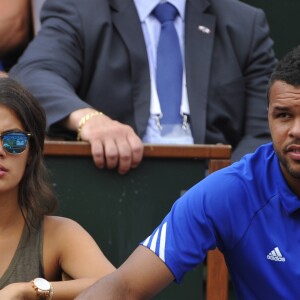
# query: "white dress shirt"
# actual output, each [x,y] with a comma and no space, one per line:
[168,134]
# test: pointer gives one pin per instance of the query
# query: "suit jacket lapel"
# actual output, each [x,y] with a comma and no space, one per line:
[198,54]
[126,20]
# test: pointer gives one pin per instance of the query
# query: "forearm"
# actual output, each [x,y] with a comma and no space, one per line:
[54,79]
[142,276]
[62,290]
[108,288]
[65,290]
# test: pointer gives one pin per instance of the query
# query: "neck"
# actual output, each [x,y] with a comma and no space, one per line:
[293,183]
[295,186]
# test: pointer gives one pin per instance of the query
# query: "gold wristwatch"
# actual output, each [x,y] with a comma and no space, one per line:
[43,288]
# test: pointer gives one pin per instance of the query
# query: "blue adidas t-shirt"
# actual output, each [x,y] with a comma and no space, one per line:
[246,210]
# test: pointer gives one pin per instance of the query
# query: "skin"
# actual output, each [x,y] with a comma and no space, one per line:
[143,275]
[284,122]
[67,246]
[113,144]
[14,24]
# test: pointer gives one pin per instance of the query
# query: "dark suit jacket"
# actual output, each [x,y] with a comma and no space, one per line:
[92,53]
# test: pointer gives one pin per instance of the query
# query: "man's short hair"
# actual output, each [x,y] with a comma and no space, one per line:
[287,70]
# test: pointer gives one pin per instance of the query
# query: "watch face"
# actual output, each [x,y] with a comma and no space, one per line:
[42,284]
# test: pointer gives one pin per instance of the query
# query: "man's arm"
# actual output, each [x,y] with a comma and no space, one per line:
[52,69]
[142,276]
[261,63]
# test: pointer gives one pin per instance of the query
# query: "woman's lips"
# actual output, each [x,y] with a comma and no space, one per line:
[3,171]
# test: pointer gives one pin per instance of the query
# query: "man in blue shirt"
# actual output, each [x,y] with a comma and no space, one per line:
[253,216]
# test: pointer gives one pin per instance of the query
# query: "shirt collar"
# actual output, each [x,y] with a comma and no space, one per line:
[288,198]
[144,8]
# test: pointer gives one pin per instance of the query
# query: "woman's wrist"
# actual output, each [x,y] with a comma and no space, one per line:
[22,290]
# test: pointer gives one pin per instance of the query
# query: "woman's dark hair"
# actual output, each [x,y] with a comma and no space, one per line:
[287,70]
[36,198]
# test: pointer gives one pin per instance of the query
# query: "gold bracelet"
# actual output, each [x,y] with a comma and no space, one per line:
[84,119]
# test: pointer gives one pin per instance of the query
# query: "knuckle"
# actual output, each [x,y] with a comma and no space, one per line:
[125,157]
[112,156]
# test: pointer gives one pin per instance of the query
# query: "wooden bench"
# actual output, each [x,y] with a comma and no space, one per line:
[121,210]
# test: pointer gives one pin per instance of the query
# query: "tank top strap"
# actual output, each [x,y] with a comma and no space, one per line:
[27,262]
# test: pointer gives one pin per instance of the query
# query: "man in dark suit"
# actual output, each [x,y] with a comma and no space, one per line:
[97,56]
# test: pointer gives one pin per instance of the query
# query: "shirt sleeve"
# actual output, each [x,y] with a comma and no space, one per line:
[185,234]
[216,212]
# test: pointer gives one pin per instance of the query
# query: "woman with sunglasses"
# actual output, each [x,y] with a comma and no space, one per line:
[36,248]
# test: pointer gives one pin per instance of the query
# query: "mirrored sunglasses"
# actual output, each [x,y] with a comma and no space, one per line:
[15,142]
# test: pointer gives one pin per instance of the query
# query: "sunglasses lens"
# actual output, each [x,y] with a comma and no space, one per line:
[14,142]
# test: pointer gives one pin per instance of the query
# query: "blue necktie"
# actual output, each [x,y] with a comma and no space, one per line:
[169,65]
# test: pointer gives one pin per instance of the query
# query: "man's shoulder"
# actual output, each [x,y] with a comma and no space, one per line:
[251,170]
[234,5]
[90,6]
[233,11]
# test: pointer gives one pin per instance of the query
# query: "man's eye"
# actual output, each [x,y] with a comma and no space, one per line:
[283,115]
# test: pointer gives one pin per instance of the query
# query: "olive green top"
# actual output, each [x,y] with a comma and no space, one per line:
[27,262]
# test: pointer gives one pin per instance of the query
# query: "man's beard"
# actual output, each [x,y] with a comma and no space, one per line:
[295,173]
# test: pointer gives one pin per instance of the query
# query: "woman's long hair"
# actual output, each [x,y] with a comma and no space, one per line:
[36,198]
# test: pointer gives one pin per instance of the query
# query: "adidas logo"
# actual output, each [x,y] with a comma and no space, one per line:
[276,255]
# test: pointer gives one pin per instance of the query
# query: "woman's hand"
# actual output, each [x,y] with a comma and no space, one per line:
[18,291]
